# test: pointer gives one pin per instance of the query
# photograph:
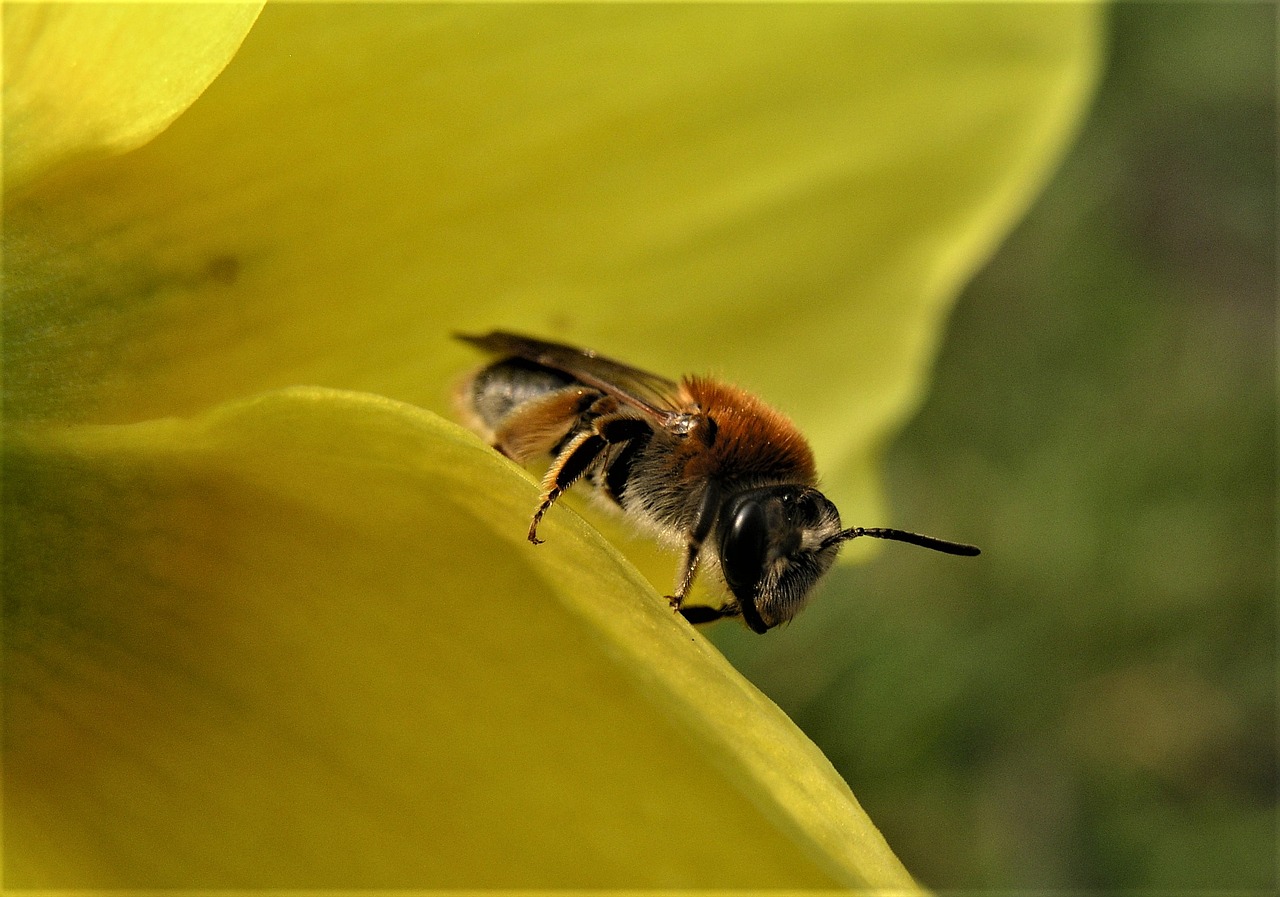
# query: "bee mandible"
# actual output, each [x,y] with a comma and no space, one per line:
[697,462]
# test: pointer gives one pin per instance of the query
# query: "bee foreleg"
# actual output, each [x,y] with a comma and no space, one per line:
[697,535]
[684,578]
[579,455]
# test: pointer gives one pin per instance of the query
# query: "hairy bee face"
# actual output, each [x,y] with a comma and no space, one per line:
[776,542]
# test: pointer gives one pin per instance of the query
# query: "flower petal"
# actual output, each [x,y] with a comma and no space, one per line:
[785,194]
[86,80]
[301,642]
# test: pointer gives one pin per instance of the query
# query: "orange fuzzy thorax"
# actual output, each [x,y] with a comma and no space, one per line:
[751,441]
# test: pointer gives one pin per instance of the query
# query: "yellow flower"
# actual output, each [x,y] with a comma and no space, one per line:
[270,620]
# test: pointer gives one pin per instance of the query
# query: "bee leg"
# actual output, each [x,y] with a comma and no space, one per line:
[579,455]
[697,535]
[571,464]
[688,567]
[537,426]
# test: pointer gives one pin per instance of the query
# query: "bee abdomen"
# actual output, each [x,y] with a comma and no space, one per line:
[501,388]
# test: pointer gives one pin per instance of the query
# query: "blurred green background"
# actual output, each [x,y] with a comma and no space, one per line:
[1092,703]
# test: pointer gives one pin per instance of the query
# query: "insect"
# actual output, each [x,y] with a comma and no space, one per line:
[697,462]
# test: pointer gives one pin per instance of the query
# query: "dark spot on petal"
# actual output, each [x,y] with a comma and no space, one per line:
[223,269]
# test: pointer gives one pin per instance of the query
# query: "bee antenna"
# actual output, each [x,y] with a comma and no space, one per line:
[898,535]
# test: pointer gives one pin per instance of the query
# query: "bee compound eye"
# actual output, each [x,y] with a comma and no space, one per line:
[744,548]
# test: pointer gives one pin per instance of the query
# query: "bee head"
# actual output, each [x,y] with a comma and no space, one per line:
[776,542]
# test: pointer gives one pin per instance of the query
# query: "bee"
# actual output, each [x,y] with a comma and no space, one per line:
[696,462]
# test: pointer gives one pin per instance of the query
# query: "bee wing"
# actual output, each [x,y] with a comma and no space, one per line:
[653,394]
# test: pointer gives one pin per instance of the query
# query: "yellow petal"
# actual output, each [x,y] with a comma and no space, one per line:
[301,642]
[785,194]
[87,80]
